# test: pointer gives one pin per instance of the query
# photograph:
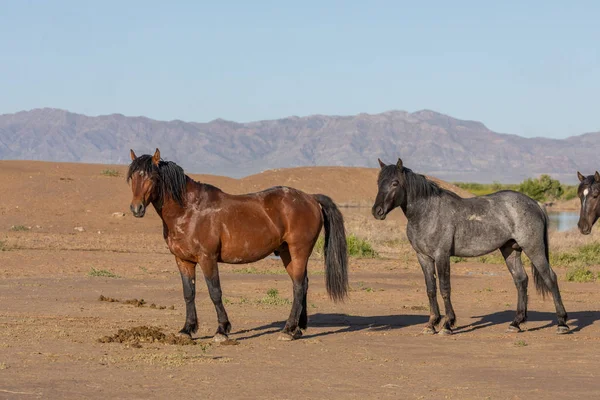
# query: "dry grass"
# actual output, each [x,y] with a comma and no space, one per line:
[572,239]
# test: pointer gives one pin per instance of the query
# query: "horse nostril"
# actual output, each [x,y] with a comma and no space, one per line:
[379,211]
[136,209]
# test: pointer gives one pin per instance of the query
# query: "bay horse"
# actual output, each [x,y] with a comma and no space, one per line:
[202,225]
[442,224]
[589,194]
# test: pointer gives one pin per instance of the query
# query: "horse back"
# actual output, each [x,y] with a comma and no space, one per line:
[254,225]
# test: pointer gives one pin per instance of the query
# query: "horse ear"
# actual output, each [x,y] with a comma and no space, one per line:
[581,177]
[597,177]
[399,163]
[381,163]
[132,154]
[156,157]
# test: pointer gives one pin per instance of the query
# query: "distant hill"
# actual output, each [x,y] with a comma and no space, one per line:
[427,141]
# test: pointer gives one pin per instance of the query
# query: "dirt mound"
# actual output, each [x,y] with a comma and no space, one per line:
[89,195]
[133,302]
[134,337]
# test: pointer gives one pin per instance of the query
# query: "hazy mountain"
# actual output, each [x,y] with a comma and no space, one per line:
[427,141]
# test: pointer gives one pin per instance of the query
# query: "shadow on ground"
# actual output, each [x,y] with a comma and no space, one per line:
[342,323]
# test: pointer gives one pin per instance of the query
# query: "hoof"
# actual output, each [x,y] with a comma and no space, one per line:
[184,333]
[286,336]
[513,329]
[562,329]
[219,337]
[428,331]
[445,332]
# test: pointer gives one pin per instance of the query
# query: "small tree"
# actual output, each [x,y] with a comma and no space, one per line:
[542,188]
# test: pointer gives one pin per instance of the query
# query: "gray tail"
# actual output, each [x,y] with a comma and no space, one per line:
[336,249]
[540,285]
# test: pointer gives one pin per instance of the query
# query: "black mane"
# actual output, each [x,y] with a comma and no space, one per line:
[169,178]
[417,186]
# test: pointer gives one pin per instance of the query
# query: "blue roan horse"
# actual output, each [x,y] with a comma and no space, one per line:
[442,224]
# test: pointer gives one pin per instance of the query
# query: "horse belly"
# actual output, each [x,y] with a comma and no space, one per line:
[249,244]
[474,239]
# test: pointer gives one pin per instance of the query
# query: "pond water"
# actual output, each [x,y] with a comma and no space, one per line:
[563,220]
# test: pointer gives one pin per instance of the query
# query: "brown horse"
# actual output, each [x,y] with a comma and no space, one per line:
[203,225]
[589,194]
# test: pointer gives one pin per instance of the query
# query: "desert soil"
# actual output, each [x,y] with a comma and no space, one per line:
[371,346]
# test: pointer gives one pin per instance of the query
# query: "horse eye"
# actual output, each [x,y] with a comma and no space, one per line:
[395,183]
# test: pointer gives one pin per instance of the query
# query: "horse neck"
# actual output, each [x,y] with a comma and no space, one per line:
[416,207]
[170,209]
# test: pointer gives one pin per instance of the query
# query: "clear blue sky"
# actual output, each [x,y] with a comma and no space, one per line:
[530,68]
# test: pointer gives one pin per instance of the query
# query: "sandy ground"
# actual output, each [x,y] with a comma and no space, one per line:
[371,346]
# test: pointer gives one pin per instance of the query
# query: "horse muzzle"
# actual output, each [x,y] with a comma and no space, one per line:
[378,212]
[138,210]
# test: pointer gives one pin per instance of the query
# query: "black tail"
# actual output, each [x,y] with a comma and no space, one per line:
[336,249]
[540,285]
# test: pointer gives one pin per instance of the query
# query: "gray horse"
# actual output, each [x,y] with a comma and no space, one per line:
[442,224]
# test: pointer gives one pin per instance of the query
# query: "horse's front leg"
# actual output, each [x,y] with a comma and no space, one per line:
[442,264]
[187,269]
[210,269]
[428,267]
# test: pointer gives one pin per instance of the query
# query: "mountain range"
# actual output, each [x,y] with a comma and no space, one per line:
[427,141]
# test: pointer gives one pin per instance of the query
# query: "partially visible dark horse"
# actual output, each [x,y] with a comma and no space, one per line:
[589,194]
[202,225]
[442,224]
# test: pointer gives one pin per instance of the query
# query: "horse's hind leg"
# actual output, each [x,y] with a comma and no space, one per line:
[546,280]
[428,267]
[286,258]
[442,264]
[210,269]
[512,255]
[295,260]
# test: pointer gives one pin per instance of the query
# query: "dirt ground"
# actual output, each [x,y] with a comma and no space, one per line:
[371,346]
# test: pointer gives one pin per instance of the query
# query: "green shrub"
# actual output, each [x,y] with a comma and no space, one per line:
[588,254]
[102,273]
[542,188]
[580,274]
[570,192]
[110,172]
[360,248]
[357,247]
[272,298]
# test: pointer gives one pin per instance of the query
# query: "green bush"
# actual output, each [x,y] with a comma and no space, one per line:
[570,192]
[272,298]
[110,172]
[102,273]
[357,247]
[481,189]
[580,274]
[588,254]
[542,188]
[19,228]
